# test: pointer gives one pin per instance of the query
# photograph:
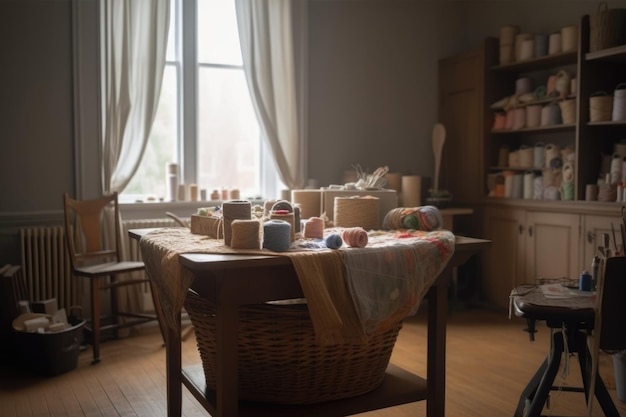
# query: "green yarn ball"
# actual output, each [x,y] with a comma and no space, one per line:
[410,222]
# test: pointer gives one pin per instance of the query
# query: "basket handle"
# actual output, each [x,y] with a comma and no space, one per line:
[620,85]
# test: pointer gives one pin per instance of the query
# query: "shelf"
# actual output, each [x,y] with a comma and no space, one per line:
[615,54]
[521,169]
[555,128]
[617,123]
[548,100]
[541,63]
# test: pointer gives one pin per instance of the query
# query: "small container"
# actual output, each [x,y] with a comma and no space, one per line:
[585,283]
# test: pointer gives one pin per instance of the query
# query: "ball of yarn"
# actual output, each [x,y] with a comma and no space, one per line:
[355,237]
[430,218]
[410,222]
[334,241]
[276,235]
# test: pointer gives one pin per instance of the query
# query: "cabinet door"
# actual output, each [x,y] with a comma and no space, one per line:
[595,227]
[503,261]
[460,111]
[551,246]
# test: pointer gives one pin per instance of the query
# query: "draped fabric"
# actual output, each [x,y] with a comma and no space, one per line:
[266,33]
[134,43]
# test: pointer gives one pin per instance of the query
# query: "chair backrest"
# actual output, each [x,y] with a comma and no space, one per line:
[92,229]
[613,308]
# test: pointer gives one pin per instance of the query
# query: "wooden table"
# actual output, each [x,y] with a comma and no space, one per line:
[229,281]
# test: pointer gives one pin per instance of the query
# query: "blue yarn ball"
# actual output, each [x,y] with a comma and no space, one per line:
[334,241]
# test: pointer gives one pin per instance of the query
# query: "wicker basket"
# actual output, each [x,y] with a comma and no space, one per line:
[607,28]
[279,361]
[600,107]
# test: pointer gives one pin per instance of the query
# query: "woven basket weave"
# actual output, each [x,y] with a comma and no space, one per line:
[279,361]
[607,28]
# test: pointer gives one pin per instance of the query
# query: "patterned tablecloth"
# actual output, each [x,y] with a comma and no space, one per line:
[350,291]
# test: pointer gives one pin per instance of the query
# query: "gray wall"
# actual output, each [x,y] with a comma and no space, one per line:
[372,89]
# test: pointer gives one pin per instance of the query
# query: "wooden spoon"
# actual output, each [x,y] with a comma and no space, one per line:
[439,137]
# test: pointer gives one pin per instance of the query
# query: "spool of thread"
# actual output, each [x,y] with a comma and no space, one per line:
[313,228]
[276,235]
[508,184]
[234,210]
[527,50]
[333,241]
[411,194]
[193,192]
[235,194]
[246,234]
[533,115]
[585,281]
[616,168]
[288,217]
[529,184]
[539,157]
[355,237]
[297,218]
[538,188]
[619,103]
[518,186]
[507,43]
[225,193]
[503,156]
[554,43]
[591,192]
[523,85]
[526,154]
[181,192]
[171,192]
[569,38]
[360,211]
[552,152]
[519,118]
[394,181]
[541,45]
[309,201]
[567,191]
[519,41]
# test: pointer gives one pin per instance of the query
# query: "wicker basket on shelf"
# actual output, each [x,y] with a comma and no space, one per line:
[607,28]
[279,360]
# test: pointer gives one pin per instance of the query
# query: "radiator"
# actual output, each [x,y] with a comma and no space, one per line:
[46,264]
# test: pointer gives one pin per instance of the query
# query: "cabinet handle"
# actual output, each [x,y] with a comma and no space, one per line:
[520,227]
[591,237]
[530,231]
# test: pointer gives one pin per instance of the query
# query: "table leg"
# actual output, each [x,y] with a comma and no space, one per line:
[227,382]
[436,363]
[173,367]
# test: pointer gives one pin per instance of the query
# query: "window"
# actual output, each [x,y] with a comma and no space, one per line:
[205,120]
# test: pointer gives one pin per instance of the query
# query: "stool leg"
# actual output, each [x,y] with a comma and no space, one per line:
[545,385]
[531,389]
[601,392]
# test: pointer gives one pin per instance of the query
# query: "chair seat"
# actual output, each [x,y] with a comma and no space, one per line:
[109,268]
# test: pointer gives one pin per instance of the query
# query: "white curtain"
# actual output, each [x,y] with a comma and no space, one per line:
[266,33]
[134,42]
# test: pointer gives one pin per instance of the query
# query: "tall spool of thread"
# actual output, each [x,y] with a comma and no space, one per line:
[508,183]
[171,181]
[276,235]
[616,168]
[357,211]
[569,38]
[507,43]
[246,234]
[411,195]
[619,103]
[554,43]
[518,186]
[567,183]
[541,45]
[519,40]
[313,228]
[309,201]
[538,188]
[394,181]
[529,184]
[234,210]
[526,154]
[539,158]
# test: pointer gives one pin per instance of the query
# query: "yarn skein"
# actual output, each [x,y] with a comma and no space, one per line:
[355,237]
[276,235]
[314,228]
[234,210]
[288,217]
[246,234]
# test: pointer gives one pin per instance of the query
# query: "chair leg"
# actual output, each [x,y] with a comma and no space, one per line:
[95,319]
[114,306]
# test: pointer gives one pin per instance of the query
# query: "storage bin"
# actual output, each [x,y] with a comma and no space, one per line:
[280,361]
[50,353]
[607,28]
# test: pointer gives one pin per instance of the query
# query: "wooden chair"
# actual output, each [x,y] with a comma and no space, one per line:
[97,256]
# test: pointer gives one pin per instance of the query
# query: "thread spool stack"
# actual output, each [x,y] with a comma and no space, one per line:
[234,210]
[171,181]
[357,211]
[507,42]
[619,103]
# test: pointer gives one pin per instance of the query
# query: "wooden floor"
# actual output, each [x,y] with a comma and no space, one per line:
[489,360]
